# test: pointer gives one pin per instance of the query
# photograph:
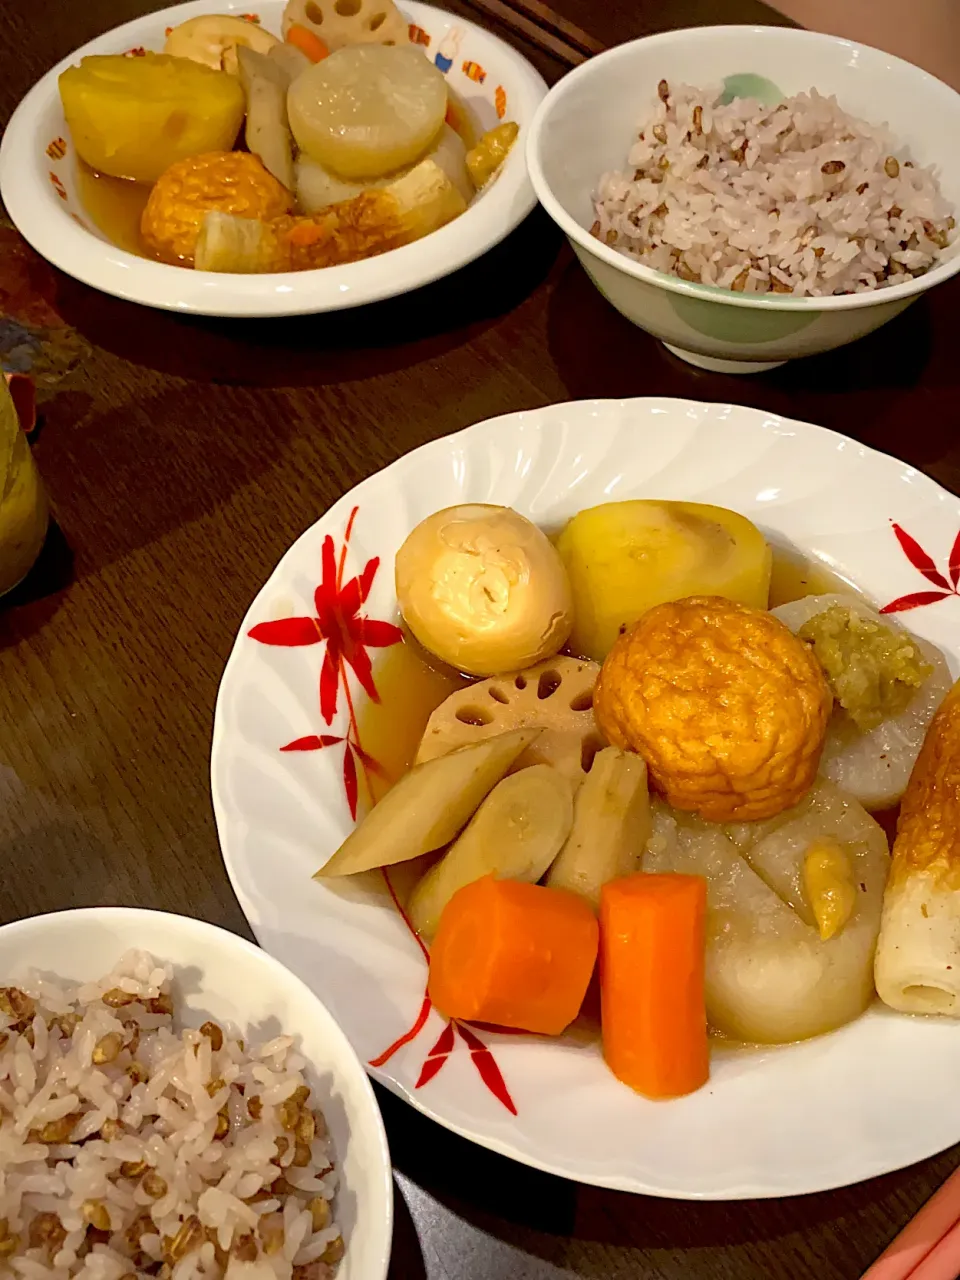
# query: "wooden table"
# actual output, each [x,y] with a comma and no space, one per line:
[184,456]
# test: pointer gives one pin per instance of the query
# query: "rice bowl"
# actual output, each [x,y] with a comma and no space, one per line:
[195,1112]
[590,121]
[800,198]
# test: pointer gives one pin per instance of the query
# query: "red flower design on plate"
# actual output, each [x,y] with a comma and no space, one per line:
[480,1054]
[57,149]
[946,585]
[348,635]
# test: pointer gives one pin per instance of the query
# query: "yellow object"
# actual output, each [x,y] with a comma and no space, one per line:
[481,587]
[233,182]
[213,40]
[625,557]
[134,117]
[873,669]
[828,883]
[376,221]
[488,155]
[918,955]
[368,109]
[728,708]
[24,515]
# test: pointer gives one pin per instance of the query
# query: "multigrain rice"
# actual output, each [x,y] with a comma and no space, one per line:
[129,1148]
[800,198]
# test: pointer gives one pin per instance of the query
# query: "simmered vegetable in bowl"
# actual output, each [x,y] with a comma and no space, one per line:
[245,151]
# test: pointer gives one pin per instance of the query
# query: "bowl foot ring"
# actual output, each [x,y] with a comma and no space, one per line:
[713,364]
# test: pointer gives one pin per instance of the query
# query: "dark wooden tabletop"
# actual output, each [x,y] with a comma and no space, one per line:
[183,457]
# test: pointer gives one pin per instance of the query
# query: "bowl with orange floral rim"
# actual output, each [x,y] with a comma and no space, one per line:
[248,149]
[327,699]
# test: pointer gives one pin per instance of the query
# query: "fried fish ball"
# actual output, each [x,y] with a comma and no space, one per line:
[232,182]
[728,708]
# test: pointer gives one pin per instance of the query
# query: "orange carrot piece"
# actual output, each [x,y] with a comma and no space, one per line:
[307,42]
[513,955]
[652,956]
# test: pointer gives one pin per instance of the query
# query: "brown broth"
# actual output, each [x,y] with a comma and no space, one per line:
[794,576]
[115,207]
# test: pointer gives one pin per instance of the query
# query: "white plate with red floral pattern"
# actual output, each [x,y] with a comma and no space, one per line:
[288,759]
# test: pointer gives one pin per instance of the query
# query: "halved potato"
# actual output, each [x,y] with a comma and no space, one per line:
[135,117]
[625,557]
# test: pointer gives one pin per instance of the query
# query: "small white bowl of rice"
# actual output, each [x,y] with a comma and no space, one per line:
[175,1103]
[749,195]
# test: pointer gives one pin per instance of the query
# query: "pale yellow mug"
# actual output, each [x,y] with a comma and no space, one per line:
[24,514]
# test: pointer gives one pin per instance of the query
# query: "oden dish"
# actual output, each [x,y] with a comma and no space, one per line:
[801,891]
[87,232]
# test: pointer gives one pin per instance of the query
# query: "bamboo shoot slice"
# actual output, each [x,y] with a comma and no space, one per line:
[515,835]
[268,135]
[428,807]
[611,826]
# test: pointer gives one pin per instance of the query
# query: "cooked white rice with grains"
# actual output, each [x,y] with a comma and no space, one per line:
[129,1148]
[800,198]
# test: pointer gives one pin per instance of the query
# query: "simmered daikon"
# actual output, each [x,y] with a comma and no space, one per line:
[368,110]
[874,765]
[771,975]
[319,187]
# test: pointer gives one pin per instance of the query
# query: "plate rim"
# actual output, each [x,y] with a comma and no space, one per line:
[490,1139]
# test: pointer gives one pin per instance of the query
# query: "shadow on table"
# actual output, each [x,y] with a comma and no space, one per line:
[895,389]
[359,343]
[406,1259]
[550,1217]
[51,575]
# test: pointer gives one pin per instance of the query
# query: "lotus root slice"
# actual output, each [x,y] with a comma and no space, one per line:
[342,22]
[555,696]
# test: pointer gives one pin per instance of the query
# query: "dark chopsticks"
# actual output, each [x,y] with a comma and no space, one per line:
[543,27]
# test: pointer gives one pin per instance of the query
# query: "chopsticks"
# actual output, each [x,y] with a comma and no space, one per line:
[928,1248]
[541,26]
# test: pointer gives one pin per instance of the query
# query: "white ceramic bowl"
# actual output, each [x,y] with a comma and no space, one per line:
[39,189]
[586,125]
[218,975]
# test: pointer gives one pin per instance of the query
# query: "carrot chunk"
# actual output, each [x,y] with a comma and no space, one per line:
[307,42]
[652,949]
[514,955]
